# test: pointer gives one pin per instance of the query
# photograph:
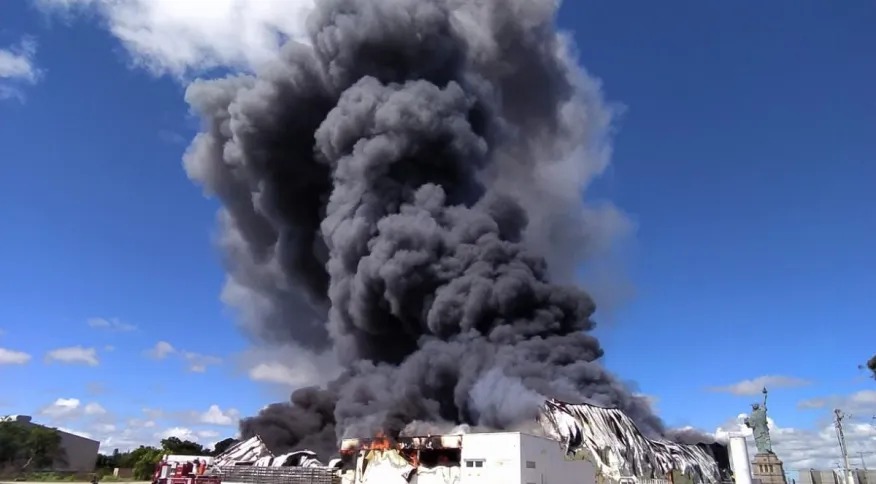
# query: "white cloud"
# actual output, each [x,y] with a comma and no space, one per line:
[215,416]
[12,357]
[290,366]
[62,408]
[111,324]
[80,433]
[74,355]
[68,409]
[182,433]
[182,38]
[94,409]
[17,67]
[93,421]
[104,428]
[860,402]
[161,350]
[198,363]
[208,434]
[756,385]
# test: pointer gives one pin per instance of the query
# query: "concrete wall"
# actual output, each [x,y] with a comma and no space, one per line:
[81,453]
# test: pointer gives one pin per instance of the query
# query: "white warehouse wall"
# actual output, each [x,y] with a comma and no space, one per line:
[515,458]
[499,454]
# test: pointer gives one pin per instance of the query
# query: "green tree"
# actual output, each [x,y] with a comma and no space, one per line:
[143,460]
[174,445]
[29,447]
[223,445]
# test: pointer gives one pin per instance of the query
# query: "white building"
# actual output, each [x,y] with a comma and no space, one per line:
[482,458]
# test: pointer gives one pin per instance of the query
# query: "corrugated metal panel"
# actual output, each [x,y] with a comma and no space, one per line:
[278,475]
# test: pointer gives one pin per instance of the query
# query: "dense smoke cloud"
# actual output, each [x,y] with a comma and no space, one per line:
[405,190]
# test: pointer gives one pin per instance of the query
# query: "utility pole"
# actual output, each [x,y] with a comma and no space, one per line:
[841,438]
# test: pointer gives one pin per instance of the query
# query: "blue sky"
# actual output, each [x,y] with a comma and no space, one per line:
[743,157]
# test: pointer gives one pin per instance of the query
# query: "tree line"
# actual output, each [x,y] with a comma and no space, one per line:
[143,459]
[27,448]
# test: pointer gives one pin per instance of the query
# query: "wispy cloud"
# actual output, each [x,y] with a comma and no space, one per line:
[756,385]
[863,401]
[198,363]
[110,324]
[195,362]
[12,357]
[161,350]
[18,68]
[74,355]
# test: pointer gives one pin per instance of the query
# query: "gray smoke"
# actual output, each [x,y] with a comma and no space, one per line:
[405,189]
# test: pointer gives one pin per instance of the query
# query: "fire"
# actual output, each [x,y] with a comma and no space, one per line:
[380,442]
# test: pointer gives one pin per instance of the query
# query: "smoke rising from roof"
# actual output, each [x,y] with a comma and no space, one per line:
[406,190]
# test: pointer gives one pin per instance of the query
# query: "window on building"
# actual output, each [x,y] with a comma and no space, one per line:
[530,464]
[474,463]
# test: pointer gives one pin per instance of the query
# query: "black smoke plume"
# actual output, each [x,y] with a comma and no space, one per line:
[405,189]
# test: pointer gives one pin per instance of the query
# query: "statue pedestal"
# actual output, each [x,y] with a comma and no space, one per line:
[768,469]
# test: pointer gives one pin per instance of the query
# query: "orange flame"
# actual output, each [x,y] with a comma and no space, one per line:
[380,442]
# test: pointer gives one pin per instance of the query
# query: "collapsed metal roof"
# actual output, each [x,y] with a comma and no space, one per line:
[611,440]
[249,450]
[253,451]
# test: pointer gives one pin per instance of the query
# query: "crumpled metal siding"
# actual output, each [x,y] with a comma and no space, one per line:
[612,441]
[249,450]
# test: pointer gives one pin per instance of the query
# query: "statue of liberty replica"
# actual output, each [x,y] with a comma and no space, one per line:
[766,466]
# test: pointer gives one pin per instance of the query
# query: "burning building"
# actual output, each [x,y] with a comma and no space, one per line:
[482,457]
[580,444]
[403,190]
